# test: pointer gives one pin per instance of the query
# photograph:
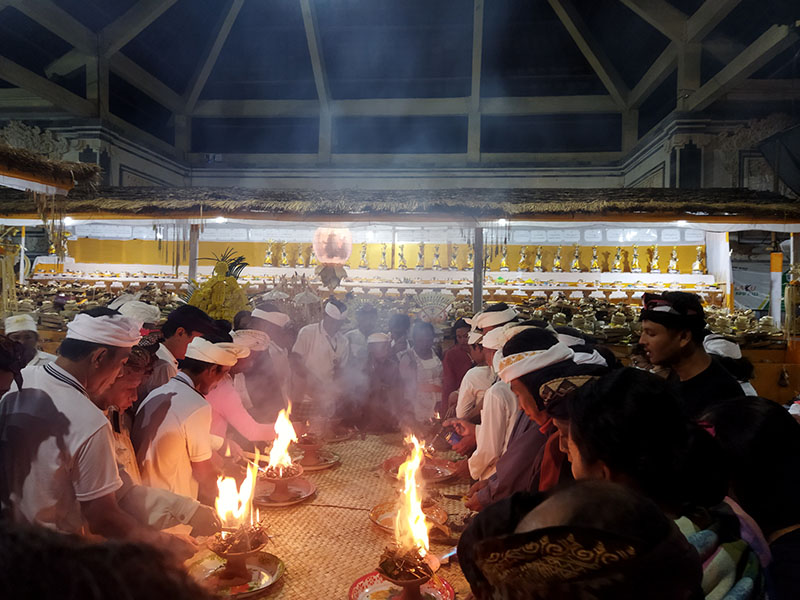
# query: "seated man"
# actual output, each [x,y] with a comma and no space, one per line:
[57,463]
[22,329]
[172,427]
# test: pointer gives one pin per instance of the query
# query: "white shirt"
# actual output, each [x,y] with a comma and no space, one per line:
[321,353]
[56,450]
[41,358]
[164,369]
[475,383]
[280,363]
[423,380]
[358,347]
[491,436]
[172,430]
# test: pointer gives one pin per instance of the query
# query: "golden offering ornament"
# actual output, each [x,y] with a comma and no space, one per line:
[654,267]
[504,259]
[363,264]
[673,261]
[284,256]
[595,266]
[470,257]
[401,256]
[383,266]
[635,268]
[453,265]
[697,265]
[522,265]
[268,258]
[537,261]
[421,257]
[617,266]
[557,261]
[436,264]
[575,267]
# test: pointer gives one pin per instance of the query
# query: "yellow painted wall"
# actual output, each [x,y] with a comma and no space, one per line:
[88,250]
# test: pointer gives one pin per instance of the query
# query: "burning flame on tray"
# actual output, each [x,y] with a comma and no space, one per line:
[279,458]
[410,529]
[233,504]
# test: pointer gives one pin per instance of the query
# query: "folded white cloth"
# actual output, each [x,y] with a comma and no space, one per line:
[20,323]
[111,330]
[590,358]
[377,338]
[570,340]
[256,340]
[475,337]
[717,344]
[276,318]
[492,318]
[522,363]
[333,312]
[498,337]
[140,311]
[221,353]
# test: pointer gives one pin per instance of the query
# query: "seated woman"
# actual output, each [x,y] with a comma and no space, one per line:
[421,371]
[762,442]
[588,540]
[629,427]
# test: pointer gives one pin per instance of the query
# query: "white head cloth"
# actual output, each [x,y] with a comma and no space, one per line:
[111,330]
[276,318]
[333,312]
[20,323]
[378,338]
[492,319]
[570,340]
[498,356]
[474,337]
[497,338]
[221,353]
[254,339]
[714,344]
[522,363]
[590,358]
[140,311]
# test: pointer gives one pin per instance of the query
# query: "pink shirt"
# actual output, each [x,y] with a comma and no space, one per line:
[227,409]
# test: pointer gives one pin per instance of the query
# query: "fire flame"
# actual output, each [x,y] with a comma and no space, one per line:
[410,529]
[234,505]
[279,458]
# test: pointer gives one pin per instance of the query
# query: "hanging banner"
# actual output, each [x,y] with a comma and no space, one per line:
[751,286]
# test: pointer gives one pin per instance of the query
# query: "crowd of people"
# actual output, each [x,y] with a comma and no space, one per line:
[669,478]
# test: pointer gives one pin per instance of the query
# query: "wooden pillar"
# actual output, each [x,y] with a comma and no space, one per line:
[477,272]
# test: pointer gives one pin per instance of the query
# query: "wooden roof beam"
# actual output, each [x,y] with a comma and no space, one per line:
[474,118]
[768,45]
[707,17]
[116,35]
[52,92]
[147,83]
[655,75]
[320,78]
[591,50]
[211,54]
[662,16]
[54,18]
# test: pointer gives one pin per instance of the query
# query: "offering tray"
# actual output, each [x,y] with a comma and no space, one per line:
[384,514]
[433,470]
[374,586]
[264,569]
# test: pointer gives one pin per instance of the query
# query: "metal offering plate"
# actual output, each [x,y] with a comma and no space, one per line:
[265,570]
[373,586]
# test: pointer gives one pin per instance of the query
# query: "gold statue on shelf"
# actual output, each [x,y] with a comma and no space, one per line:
[673,261]
[383,266]
[421,257]
[284,256]
[522,265]
[595,266]
[617,266]
[635,268]
[363,264]
[402,259]
[504,259]
[470,257]
[453,260]
[575,267]
[697,265]
[436,264]
[557,261]
[312,260]
[268,258]
[537,261]
[654,267]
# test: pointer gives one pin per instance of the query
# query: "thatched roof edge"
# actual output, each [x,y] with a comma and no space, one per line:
[28,165]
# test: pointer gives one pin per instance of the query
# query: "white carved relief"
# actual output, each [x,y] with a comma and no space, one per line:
[43,142]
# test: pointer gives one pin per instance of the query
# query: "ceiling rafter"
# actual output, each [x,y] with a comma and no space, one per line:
[210,56]
[320,78]
[768,45]
[52,17]
[116,35]
[44,88]
[655,75]
[474,118]
[662,15]
[145,81]
[591,50]
[707,17]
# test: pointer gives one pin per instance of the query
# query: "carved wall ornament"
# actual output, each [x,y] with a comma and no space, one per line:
[43,142]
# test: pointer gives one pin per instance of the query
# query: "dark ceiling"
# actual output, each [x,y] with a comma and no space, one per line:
[380,49]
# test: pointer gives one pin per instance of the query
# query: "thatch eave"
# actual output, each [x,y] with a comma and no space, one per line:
[26,165]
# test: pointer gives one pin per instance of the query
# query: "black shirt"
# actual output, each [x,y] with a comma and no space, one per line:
[706,388]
